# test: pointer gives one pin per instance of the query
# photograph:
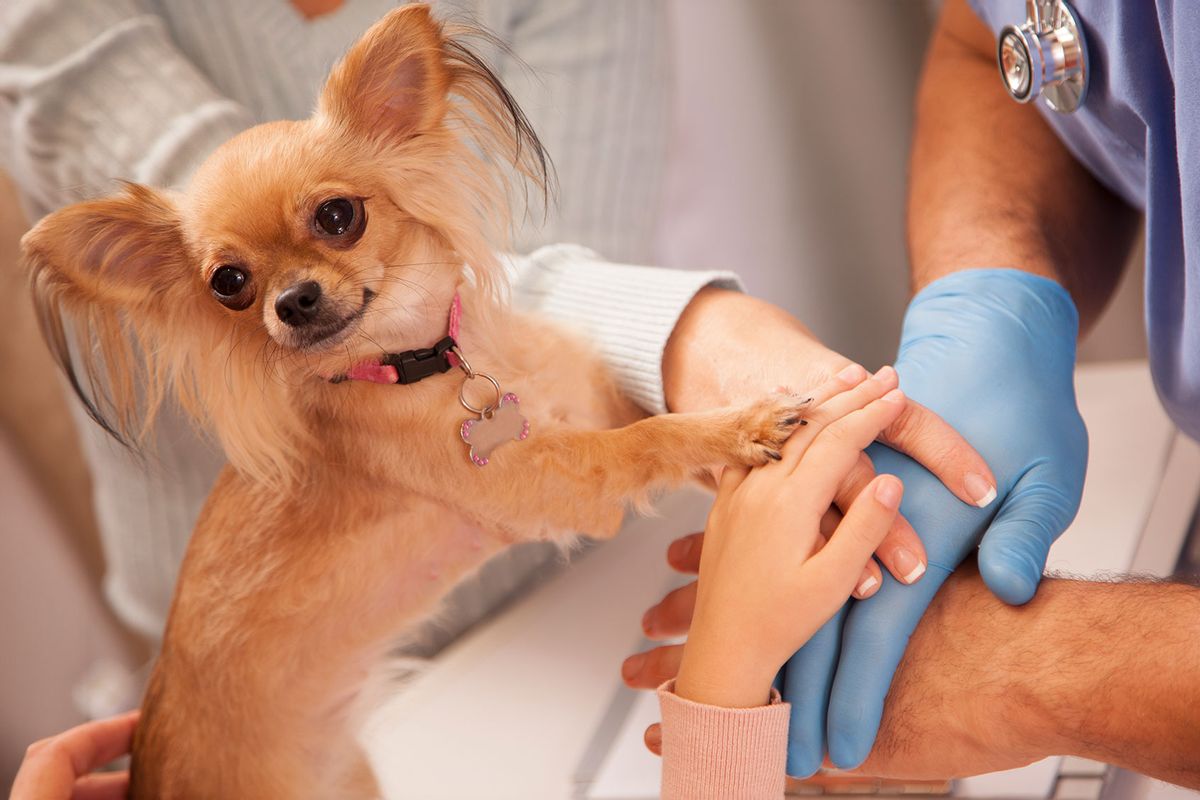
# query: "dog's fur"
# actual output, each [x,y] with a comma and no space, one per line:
[347,510]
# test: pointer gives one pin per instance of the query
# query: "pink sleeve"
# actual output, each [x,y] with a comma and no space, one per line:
[722,753]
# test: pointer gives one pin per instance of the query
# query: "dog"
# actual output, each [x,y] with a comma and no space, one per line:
[326,300]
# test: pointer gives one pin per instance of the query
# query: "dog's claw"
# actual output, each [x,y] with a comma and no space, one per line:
[765,426]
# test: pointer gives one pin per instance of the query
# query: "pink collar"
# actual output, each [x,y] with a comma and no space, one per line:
[412,365]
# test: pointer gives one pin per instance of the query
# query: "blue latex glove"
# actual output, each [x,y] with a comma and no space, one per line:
[993,352]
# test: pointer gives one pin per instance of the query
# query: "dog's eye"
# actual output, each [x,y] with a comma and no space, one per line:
[339,217]
[228,281]
[229,284]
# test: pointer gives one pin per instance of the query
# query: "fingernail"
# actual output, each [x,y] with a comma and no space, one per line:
[647,620]
[906,563]
[868,583]
[894,396]
[852,373]
[884,373]
[888,492]
[632,666]
[680,549]
[979,490]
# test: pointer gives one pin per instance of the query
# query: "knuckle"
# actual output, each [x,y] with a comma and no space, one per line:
[855,432]
[818,418]
[923,434]
[911,426]
[44,748]
[836,433]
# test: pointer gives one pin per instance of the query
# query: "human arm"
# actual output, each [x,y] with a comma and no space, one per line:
[1105,670]
[991,185]
[60,767]
[91,92]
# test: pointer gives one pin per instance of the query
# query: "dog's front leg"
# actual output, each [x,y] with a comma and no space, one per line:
[560,482]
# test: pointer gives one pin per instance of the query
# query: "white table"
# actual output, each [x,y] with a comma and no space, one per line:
[515,709]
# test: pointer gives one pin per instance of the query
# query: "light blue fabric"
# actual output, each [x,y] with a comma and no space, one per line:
[993,352]
[1138,131]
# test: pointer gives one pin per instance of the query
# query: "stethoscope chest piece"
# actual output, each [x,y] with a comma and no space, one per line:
[1046,56]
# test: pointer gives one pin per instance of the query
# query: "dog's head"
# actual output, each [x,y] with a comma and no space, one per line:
[299,247]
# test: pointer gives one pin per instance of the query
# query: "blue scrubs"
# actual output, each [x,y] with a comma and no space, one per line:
[1138,132]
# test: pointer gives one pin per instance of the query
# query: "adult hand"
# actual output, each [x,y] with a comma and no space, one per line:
[60,767]
[993,353]
[729,349]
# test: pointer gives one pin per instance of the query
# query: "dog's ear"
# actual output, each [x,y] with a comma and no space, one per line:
[123,251]
[415,88]
[393,82]
[109,266]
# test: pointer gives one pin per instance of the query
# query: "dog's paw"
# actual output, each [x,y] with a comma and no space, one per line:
[764,426]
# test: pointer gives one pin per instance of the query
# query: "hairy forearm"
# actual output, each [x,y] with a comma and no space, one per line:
[992,186]
[1120,674]
[1108,671]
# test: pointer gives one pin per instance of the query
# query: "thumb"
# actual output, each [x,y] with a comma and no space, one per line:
[1035,513]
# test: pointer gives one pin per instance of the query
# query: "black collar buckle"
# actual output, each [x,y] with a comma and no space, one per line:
[415,365]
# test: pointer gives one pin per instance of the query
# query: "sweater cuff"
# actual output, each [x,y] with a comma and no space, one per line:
[627,312]
[713,752]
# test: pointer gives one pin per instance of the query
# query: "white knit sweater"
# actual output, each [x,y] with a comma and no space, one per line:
[95,90]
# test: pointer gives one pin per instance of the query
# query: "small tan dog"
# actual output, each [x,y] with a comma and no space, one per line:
[358,245]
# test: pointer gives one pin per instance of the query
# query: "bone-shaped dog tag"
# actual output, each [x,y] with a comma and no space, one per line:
[494,427]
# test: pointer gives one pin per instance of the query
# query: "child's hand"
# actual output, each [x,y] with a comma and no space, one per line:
[763,549]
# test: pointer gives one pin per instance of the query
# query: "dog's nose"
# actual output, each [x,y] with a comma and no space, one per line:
[297,304]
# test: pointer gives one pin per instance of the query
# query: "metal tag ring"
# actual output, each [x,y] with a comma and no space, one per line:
[486,411]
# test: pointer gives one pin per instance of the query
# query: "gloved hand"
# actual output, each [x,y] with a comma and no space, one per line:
[993,352]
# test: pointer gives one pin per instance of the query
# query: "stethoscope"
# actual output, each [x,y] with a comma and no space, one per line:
[1045,57]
